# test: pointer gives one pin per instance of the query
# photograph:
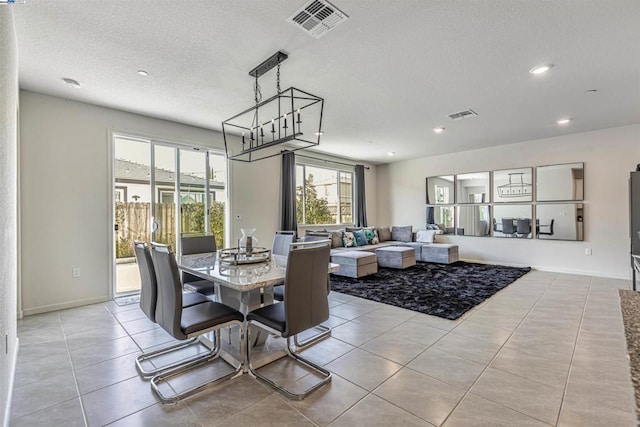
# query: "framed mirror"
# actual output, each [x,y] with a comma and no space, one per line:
[513,221]
[513,185]
[441,216]
[472,188]
[560,182]
[560,221]
[473,220]
[440,190]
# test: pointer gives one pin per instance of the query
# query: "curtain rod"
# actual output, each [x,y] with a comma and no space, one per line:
[327,161]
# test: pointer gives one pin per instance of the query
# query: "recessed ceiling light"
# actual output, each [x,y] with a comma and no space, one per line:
[438,130]
[143,73]
[541,69]
[564,121]
[391,153]
[71,83]
[320,133]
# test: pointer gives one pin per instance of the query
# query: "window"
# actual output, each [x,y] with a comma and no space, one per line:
[324,195]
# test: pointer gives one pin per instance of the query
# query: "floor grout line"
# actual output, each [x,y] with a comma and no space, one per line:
[73,373]
[493,358]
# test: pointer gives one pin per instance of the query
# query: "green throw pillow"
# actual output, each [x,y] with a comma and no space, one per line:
[361,238]
[372,235]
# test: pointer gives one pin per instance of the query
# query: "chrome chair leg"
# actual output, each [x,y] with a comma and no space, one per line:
[289,352]
[146,357]
[202,359]
[325,332]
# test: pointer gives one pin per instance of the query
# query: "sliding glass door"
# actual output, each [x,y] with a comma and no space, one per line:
[160,191]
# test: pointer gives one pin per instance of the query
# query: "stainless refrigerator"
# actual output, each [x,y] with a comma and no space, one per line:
[634,221]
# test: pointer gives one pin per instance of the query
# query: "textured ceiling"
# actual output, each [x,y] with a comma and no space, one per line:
[389,74]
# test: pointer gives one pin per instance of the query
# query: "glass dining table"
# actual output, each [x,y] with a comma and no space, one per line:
[244,287]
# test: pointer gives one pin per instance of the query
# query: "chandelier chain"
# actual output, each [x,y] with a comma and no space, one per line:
[257,92]
[278,78]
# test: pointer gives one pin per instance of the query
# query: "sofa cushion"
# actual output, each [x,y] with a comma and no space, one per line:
[353,258]
[384,234]
[336,238]
[352,229]
[348,239]
[401,234]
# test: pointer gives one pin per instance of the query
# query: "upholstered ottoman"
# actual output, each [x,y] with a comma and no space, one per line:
[355,263]
[396,257]
[443,253]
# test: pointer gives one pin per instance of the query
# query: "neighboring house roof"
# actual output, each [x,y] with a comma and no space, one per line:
[131,172]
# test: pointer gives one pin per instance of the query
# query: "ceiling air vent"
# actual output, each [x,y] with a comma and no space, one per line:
[463,114]
[317,17]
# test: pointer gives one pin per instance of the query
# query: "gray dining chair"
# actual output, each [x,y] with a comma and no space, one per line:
[281,243]
[197,243]
[305,305]
[508,227]
[281,246]
[185,323]
[523,227]
[148,303]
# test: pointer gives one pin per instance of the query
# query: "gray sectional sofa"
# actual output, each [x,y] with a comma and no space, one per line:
[358,266]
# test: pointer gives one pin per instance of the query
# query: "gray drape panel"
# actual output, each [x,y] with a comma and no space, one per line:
[361,204]
[430,215]
[288,220]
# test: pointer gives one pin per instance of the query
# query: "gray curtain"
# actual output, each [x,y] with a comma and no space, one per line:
[288,220]
[430,215]
[361,204]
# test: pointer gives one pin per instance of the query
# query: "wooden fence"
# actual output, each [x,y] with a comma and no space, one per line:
[133,220]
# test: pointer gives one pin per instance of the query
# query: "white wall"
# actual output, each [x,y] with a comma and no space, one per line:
[8,207]
[66,190]
[65,193]
[609,156]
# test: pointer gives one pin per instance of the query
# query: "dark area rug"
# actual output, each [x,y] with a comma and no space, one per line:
[443,290]
[630,305]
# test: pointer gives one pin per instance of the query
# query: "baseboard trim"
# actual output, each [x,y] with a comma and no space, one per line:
[12,376]
[552,269]
[64,305]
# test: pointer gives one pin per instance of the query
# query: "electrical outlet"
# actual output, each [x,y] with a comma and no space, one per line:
[588,251]
[75,272]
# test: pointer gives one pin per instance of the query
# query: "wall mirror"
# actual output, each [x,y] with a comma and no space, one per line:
[560,221]
[473,220]
[440,190]
[512,221]
[472,187]
[560,182]
[513,185]
[442,216]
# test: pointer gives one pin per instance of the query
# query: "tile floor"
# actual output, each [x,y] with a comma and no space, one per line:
[547,350]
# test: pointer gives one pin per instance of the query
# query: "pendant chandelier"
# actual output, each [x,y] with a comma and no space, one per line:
[515,189]
[290,120]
